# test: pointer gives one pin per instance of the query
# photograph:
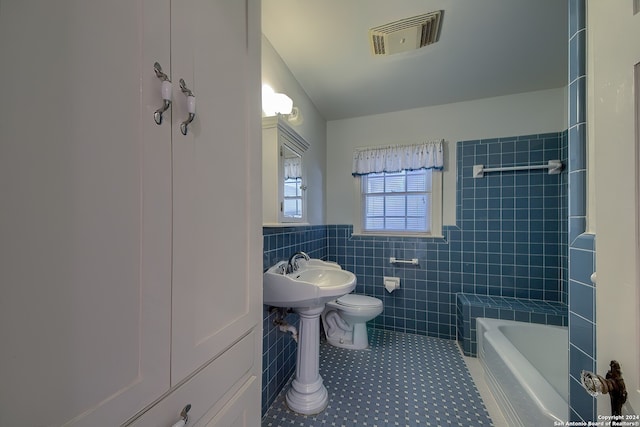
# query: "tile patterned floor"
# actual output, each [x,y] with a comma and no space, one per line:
[401,380]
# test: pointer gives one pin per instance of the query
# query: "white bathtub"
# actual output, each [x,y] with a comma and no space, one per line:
[526,366]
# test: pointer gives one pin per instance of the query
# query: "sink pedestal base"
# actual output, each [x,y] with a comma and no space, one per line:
[307,394]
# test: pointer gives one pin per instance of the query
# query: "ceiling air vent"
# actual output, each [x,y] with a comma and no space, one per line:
[405,34]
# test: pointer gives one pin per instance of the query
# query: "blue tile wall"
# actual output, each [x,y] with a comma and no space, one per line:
[508,241]
[279,243]
[581,294]
[278,357]
[511,222]
[582,325]
[425,302]
[278,348]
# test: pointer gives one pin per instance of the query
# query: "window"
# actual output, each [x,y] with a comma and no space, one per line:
[399,190]
[400,203]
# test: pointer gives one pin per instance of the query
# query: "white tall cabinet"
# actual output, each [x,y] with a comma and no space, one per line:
[130,254]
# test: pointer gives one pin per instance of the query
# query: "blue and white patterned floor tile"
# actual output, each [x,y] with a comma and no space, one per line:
[401,380]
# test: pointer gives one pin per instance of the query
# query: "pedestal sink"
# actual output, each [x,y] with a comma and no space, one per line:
[306,290]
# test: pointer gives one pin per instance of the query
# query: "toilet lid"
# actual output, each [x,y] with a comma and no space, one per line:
[353,300]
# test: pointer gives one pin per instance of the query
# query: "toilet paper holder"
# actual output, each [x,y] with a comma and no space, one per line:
[391,283]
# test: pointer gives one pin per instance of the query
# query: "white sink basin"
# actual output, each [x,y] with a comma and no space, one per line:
[317,263]
[312,285]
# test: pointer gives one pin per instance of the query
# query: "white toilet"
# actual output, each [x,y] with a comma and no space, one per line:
[345,320]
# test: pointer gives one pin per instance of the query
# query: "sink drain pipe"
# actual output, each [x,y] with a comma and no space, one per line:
[283,325]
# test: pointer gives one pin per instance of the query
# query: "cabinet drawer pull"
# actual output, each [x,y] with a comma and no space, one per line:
[191,106]
[165,91]
[184,417]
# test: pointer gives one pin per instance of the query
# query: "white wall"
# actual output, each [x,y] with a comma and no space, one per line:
[521,114]
[313,129]
[614,171]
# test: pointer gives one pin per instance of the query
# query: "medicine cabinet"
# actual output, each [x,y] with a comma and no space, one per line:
[283,178]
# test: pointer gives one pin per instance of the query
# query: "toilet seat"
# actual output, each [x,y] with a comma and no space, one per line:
[353,300]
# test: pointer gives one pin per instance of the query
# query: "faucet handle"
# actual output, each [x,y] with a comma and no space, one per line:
[282,269]
[291,267]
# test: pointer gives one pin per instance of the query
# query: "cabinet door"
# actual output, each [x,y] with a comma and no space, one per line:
[217,258]
[240,410]
[85,211]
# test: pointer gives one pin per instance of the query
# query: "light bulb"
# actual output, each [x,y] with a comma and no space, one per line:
[275,103]
[283,104]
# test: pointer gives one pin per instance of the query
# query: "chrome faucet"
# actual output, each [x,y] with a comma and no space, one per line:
[292,265]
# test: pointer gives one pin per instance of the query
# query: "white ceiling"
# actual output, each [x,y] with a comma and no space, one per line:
[487,48]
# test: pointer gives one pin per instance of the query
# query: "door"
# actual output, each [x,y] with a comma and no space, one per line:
[85,217]
[614,74]
[217,258]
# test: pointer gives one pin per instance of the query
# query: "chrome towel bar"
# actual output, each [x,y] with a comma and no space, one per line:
[394,260]
[554,166]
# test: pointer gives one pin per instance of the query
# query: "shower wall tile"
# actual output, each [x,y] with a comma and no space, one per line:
[511,221]
[577,226]
[581,298]
[582,404]
[577,152]
[578,192]
[577,52]
[577,16]
[577,100]
[579,361]
[581,333]
[582,265]
[582,324]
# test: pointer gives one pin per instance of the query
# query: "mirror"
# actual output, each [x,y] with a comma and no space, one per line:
[293,187]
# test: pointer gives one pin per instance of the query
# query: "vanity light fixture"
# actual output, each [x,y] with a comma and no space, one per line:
[274,103]
[295,117]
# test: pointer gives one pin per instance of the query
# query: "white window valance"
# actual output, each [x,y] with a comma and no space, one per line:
[292,167]
[427,155]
